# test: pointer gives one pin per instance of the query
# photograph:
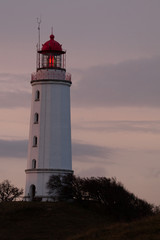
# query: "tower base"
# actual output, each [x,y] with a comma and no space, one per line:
[36,184]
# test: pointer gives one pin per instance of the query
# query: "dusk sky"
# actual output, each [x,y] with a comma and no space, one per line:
[113,54]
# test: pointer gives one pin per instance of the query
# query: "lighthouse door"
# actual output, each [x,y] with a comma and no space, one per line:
[32,191]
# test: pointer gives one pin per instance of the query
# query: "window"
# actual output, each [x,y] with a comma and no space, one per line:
[32,192]
[33,163]
[37,95]
[36,118]
[35,140]
[51,61]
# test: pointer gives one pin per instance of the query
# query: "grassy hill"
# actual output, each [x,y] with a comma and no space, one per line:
[69,221]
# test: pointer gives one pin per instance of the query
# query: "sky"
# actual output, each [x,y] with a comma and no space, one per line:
[113,54]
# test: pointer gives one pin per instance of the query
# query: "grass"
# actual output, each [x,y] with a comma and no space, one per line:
[146,229]
[69,221]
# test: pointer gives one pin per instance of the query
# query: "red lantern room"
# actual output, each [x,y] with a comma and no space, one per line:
[52,55]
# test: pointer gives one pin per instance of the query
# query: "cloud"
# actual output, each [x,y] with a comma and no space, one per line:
[121,126]
[87,152]
[13,148]
[130,83]
[14,99]
[93,171]
[15,90]
[82,151]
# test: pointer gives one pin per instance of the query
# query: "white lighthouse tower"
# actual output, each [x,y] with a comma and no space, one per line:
[49,150]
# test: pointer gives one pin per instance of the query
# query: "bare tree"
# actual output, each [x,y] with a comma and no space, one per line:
[9,192]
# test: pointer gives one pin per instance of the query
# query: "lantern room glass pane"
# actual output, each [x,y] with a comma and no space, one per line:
[52,61]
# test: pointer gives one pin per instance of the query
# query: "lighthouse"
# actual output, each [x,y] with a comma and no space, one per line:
[49,148]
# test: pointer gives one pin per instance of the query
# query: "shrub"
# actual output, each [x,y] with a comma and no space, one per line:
[106,192]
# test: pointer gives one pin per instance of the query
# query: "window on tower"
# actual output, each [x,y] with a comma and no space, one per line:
[35,141]
[52,61]
[37,95]
[33,163]
[36,118]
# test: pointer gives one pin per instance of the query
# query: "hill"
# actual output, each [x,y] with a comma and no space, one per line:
[69,221]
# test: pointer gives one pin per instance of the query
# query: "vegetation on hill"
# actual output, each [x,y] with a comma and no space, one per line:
[70,221]
[98,209]
[144,229]
[106,193]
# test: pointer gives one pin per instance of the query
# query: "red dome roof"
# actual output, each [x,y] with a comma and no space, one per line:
[51,45]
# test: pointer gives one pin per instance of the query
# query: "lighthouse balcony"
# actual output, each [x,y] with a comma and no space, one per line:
[51,75]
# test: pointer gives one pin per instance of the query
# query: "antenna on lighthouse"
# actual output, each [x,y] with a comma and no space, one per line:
[38,45]
[39,23]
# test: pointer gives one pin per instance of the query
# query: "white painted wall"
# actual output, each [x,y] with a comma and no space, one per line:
[53,152]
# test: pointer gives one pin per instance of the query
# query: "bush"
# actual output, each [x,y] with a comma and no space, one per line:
[106,192]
